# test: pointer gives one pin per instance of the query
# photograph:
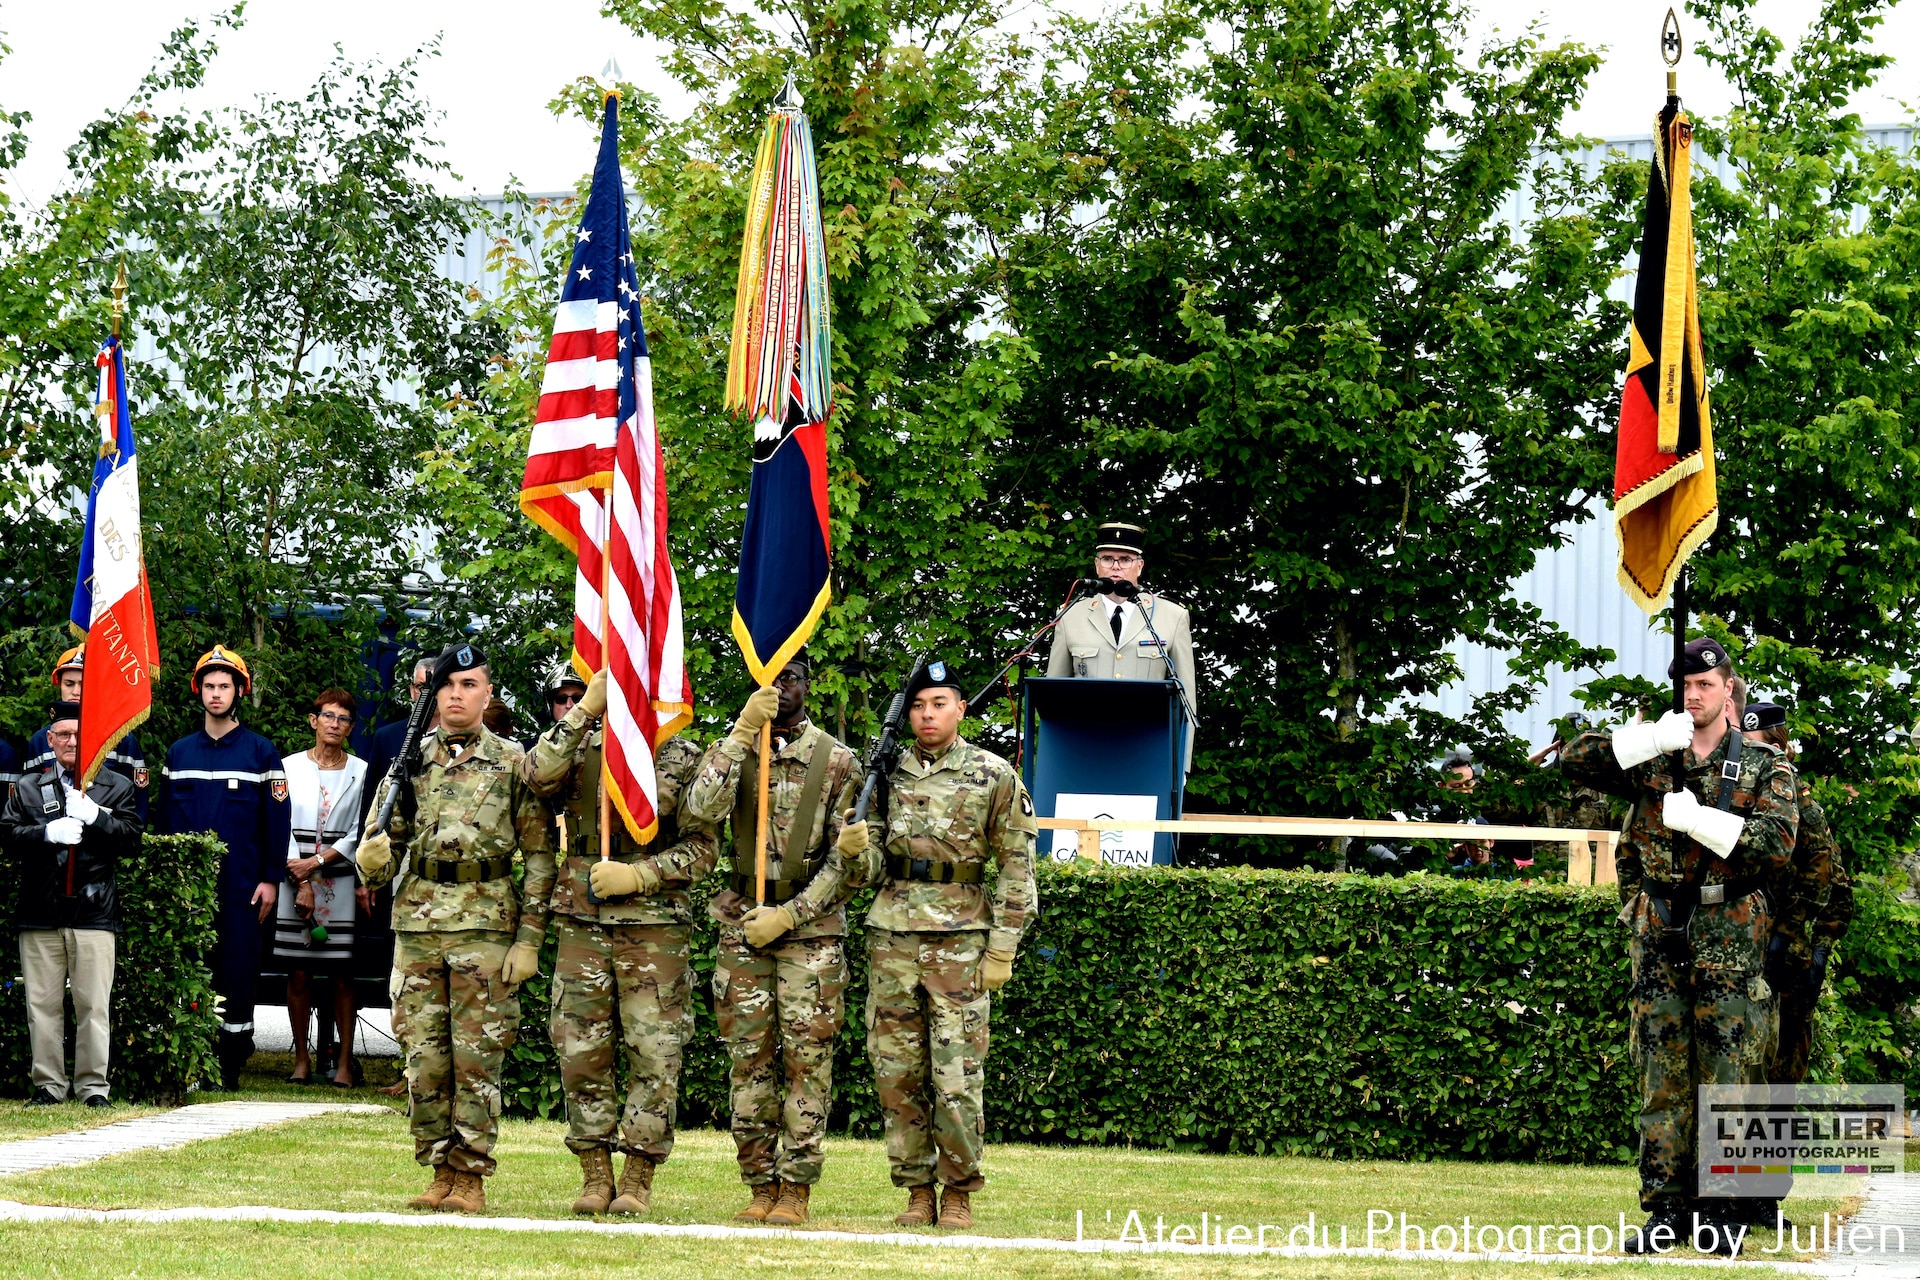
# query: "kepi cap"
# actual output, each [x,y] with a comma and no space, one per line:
[1114,536]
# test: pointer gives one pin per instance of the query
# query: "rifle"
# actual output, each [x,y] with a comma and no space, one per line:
[886,752]
[407,763]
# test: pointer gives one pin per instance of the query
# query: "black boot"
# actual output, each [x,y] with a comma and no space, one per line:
[1670,1214]
[1711,1225]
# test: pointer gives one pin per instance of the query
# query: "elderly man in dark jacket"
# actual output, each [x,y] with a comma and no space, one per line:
[67,841]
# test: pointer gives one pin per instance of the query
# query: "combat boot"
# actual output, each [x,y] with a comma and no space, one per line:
[764,1195]
[433,1195]
[1671,1214]
[956,1208]
[791,1210]
[469,1194]
[919,1211]
[636,1186]
[596,1181]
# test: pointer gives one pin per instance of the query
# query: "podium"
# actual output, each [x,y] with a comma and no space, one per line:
[1106,748]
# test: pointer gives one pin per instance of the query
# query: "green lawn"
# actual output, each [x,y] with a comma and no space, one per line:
[254,1251]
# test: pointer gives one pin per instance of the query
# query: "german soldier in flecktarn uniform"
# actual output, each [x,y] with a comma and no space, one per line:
[956,892]
[463,940]
[622,970]
[780,972]
[1696,852]
[1813,905]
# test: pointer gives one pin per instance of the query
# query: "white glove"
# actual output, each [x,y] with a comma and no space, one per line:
[1638,743]
[65,831]
[1716,830]
[81,807]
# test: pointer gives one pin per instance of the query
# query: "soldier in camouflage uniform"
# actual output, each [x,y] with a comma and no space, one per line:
[956,890]
[780,971]
[463,941]
[1813,906]
[1690,874]
[623,926]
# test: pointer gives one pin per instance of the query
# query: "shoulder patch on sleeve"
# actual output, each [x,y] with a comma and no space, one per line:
[1026,803]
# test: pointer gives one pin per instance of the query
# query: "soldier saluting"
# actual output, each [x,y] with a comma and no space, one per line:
[463,940]
[1697,849]
[624,926]
[956,893]
[780,971]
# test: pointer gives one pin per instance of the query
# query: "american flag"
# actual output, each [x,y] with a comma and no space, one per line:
[596,480]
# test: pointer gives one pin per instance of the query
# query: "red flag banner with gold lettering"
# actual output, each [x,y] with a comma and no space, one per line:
[1665,497]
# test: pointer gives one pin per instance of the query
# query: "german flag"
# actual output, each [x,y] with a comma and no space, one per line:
[1665,500]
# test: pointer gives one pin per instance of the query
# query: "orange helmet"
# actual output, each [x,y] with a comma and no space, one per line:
[74,659]
[220,658]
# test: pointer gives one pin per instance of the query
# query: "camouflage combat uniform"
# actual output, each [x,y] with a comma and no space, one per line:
[452,1013]
[631,952]
[963,815]
[1814,908]
[1700,1014]
[779,1007]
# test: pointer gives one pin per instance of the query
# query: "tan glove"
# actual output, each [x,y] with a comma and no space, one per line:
[760,708]
[523,961]
[612,879]
[996,969]
[853,840]
[764,924]
[374,856]
[594,700]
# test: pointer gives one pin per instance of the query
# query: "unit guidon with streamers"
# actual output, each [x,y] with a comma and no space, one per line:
[596,480]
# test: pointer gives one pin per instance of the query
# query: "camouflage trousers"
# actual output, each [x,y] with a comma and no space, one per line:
[779,1009]
[1794,1047]
[927,1037]
[1691,1025]
[455,1019]
[633,977]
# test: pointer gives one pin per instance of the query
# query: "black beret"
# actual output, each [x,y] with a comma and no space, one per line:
[1114,536]
[935,674]
[458,657]
[63,711]
[1763,715]
[1703,655]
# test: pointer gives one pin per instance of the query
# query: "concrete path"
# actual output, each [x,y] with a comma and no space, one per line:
[1883,1239]
[151,1133]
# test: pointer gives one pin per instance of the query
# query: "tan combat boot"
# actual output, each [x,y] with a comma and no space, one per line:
[791,1210]
[596,1181]
[956,1208]
[764,1194]
[469,1194]
[433,1195]
[919,1211]
[636,1186]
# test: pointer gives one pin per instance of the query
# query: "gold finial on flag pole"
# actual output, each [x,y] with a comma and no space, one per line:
[1670,50]
[119,297]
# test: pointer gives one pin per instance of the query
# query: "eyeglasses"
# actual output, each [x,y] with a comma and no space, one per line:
[334,717]
[1118,562]
[62,735]
[789,679]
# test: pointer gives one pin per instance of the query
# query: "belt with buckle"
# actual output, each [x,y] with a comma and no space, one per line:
[464,871]
[933,871]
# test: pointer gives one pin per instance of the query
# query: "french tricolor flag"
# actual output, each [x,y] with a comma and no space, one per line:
[112,604]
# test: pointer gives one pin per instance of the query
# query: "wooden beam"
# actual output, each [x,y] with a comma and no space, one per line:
[1234,825]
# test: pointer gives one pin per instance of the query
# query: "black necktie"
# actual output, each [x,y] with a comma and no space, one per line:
[1116,626]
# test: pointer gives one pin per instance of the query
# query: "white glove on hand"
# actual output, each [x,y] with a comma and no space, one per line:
[1714,829]
[65,831]
[1638,743]
[79,806]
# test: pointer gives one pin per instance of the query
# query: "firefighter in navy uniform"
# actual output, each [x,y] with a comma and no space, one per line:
[227,780]
[126,758]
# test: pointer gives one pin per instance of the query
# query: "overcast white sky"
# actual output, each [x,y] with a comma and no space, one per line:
[500,63]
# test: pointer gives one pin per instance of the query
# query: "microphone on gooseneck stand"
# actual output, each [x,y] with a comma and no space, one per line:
[1094,586]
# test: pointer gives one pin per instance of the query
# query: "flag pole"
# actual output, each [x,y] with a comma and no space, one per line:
[1670,51]
[760,843]
[120,297]
[606,665]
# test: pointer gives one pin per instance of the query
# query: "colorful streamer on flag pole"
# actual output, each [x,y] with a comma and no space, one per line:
[780,377]
[112,600]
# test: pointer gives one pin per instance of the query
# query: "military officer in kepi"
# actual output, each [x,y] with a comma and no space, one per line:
[1125,632]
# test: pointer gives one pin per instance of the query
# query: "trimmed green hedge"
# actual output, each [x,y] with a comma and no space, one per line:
[163,1003]
[1302,1012]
